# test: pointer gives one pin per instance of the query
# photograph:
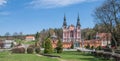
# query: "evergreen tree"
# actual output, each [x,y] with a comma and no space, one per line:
[48,46]
[43,44]
[59,47]
[72,45]
[37,36]
[37,39]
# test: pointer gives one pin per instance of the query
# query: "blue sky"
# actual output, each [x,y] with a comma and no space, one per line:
[30,16]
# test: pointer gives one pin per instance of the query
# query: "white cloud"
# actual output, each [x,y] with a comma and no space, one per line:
[2,2]
[55,3]
[4,13]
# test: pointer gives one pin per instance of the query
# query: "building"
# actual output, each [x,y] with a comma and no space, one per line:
[102,39]
[72,36]
[54,40]
[71,33]
[8,43]
[1,44]
[29,38]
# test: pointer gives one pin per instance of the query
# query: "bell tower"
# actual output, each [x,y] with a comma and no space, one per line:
[78,29]
[64,27]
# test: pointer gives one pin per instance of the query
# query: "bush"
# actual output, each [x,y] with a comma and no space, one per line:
[99,48]
[59,47]
[92,47]
[99,54]
[88,46]
[30,50]
[48,46]
[107,49]
[79,50]
[32,45]
[117,51]
[107,55]
[18,50]
[37,49]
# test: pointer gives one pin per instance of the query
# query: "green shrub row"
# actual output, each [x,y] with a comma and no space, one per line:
[29,50]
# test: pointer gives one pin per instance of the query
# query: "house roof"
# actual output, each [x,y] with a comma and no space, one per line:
[29,36]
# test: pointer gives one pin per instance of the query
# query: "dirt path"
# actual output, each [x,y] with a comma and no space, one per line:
[38,55]
[57,58]
[61,59]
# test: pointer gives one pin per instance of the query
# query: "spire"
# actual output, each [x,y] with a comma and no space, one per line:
[78,21]
[64,23]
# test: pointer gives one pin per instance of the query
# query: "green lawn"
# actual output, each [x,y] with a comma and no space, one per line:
[65,56]
[5,56]
[79,56]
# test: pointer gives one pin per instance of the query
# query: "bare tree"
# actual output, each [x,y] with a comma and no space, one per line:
[15,34]
[109,15]
[7,34]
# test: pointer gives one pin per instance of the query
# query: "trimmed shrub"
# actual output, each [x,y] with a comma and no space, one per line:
[72,46]
[79,50]
[32,45]
[18,50]
[92,47]
[30,50]
[107,55]
[116,57]
[88,46]
[37,49]
[99,48]
[107,49]
[117,51]
[99,54]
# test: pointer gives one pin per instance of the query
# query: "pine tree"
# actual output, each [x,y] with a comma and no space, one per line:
[59,47]
[43,44]
[48,46]
[37,36]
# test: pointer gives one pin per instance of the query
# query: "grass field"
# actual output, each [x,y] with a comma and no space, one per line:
[65,56]
[79,56]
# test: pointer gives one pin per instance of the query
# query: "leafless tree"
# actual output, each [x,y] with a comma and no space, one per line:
[109,15]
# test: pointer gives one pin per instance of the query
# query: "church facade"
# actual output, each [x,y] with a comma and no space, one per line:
[71,33]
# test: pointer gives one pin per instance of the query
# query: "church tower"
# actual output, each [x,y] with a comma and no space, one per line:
[78,29]
[64,27]
[72,33]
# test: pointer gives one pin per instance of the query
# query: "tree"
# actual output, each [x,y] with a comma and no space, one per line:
[88,33]
[7,34]
[48,46]
[20,36]
[59,47]
[108,14]
[15,34]
[37,36]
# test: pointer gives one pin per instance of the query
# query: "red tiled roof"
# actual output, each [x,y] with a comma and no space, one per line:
[29,36]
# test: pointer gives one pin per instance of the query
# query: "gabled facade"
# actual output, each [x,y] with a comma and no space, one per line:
[72,33]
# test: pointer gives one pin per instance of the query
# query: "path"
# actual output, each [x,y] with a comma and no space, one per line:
[62,59]
[57,58]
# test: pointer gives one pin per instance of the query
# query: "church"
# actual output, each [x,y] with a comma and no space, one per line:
[71,33]
[72,37]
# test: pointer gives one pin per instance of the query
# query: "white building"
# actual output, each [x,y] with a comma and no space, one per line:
[8,43]
[29,38]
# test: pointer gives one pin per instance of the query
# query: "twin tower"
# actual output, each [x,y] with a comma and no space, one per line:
[72,33]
